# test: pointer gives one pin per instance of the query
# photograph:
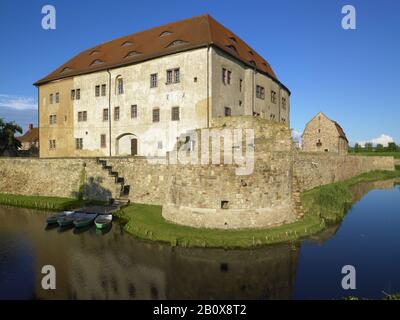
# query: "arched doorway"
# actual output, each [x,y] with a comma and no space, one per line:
[130,146]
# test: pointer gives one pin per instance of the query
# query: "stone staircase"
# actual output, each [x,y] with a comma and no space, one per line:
[123,198]
[298,208]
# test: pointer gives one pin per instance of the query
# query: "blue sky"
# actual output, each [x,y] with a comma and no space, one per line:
[350,75]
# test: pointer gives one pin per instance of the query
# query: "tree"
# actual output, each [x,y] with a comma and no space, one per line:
[379,147]
[357,148]
[368,147]
[391,147]
[8,143]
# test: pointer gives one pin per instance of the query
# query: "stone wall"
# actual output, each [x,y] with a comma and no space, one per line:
[315,169]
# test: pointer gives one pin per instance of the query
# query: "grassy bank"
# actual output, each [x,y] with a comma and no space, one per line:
[41,203]
[395,154]
[323,204]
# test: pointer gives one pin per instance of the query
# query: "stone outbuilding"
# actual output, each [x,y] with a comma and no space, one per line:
[29,142]
[324,135]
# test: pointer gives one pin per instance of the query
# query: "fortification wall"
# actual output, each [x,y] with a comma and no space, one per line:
[315,169]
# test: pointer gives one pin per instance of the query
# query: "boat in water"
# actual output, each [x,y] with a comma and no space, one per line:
[53,219]
[68,219]
[84,220]
[103,221]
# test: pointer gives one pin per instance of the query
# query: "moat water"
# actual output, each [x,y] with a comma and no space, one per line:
[114,265]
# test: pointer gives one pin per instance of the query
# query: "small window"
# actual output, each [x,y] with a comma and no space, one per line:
[97,91]
[51,98]
[173,76]
[153,80]
[72,94]
[103,89]
[273,96]
[127,43]
[82,116]
[175,114]
[93,52]
[229,76]
[120,85]
[78,94]
[52,144]
[319,144]
[156,115]
[176,43]
[165,33]
[134,111]
[105,114]
[57,97]
[116,113]
[227,112]
[53,119]
[240,85]
[223,75]
[260,92]
[133,54]
[240,103]
[66,70]
[96,62]
[103,142]
[232,48]
[284,103]
[233,39]
[224,204]
[79,143]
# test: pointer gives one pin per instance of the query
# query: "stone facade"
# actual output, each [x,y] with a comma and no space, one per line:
[324,135]
[200,95]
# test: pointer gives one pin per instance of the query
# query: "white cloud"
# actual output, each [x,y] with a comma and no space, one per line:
[383,139]
[17,102]
[296,136]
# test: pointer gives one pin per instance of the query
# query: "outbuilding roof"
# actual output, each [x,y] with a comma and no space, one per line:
[175,37]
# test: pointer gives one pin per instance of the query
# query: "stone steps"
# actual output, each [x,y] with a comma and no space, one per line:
[124,189]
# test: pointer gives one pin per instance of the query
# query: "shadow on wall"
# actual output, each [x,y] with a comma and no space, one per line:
[93,190]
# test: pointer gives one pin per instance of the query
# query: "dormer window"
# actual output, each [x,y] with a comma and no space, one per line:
[127,43]
[233,39]
[251,52]
[65,70]
[233,48]
[133,54]
[96,62]
[176,43]
[165,33]
[252,62]
[93,52]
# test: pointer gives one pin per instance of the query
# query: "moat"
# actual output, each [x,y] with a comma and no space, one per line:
[115,265]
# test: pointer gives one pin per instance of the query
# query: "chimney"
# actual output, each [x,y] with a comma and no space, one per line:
[30,127]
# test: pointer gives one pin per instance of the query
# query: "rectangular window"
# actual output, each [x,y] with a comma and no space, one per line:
[240,103]
[227,112]
[156,115]
[120,83]
[51,98]
[103,143]
[240,84]
[273,96]
[78,143]
[53,119]
[177,75]
[78,94]
[260,92]
[82,116]
[175,114]
[72,94]
[134,111]
[223,75]
[173,76]
[57,97]
[52,144]
[284,103]
[229,76]
[153,80]
[103,89]
[169,76]
[105,114]
[116,113]
[97,91]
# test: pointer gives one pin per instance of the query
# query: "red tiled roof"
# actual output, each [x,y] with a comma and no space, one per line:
[156,42]
[31,135]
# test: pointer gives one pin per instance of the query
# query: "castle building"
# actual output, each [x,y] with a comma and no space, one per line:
[136,94]
[324,135]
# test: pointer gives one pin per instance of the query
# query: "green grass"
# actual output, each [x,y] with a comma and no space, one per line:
[323,204]
[395,154]
[43,203]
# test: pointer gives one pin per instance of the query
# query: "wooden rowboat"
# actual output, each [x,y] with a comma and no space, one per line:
[84,219]
[53,219]
[68,219]
[103,221]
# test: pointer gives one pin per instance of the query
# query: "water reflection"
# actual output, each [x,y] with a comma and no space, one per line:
[109,264]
